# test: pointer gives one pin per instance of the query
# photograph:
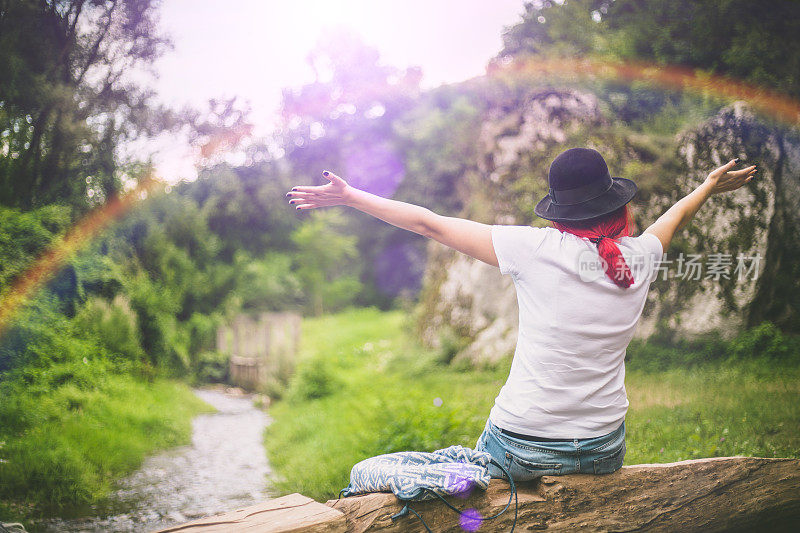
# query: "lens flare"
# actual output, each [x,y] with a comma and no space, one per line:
[470,520]
[65,247]
[374,167]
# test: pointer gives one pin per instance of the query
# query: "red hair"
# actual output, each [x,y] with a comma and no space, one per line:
[604,232]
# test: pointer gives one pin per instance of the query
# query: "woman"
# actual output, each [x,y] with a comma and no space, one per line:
[581,287]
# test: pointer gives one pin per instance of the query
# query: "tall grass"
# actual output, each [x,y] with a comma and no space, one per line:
[378,391]
[62,446]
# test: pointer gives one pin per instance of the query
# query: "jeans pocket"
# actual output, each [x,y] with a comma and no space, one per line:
[610,463]
[522,470]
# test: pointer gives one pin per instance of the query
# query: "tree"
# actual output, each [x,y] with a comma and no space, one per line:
[68,99]
[325,261]
[343,119]
[751,41]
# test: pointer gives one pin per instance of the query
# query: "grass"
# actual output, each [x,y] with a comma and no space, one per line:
[61,450]
[716,410]
[365,387]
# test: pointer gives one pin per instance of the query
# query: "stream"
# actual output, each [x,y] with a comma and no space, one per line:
[223,469]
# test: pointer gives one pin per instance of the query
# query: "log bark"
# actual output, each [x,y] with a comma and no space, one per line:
[291,513]
[719,494]
[708,495]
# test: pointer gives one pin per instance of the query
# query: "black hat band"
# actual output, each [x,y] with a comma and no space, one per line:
[581,194]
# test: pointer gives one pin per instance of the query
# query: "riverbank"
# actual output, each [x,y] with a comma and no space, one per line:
[365,387]
[69,433]
[223,468]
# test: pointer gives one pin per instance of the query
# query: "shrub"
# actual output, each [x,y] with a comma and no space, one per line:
[113,325]
[411,426]
[450,344]
[212,367]
[314,379]
[764,340]
[274,387]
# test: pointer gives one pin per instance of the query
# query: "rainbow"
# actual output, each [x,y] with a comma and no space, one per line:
[64,247]
[773,104]
[776,105]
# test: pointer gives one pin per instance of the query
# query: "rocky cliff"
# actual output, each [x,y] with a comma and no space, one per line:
[745,243]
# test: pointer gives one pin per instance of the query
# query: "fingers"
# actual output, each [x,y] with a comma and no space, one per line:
[740,177]
[742,172]
[330,176]
[306,204]
[309,200]
[725,168]
[309,188]
[735,182]
[333,178]
[299,196]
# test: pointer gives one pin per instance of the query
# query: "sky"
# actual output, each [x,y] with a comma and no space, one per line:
[255,48]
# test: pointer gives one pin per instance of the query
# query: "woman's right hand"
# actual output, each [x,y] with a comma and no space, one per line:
[724,178]
[313,196]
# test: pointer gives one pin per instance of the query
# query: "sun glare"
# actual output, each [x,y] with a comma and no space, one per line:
[326,16]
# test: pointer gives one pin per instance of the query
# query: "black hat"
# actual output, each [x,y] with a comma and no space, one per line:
[581,188]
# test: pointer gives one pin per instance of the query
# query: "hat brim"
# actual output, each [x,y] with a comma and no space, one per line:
[621,192]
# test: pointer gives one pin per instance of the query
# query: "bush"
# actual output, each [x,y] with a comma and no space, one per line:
[212,367]
[24,235]
[450,344]
[412,426]
[113,325]
[763,342]
[40,335]
[314,380]
[274,388]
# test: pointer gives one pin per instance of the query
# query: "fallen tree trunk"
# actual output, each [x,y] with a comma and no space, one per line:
[291,513]
[721,494]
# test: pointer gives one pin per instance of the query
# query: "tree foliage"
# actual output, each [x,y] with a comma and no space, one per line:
[326,261]
[752,41]
[68,99]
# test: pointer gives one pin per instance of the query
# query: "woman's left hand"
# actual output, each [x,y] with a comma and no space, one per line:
[310,197]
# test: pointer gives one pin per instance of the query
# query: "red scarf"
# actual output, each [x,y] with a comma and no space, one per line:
[604,234]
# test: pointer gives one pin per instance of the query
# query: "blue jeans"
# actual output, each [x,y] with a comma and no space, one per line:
[526,460]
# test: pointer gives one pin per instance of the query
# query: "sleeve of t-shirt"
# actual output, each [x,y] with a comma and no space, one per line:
[654,251]
[513,246]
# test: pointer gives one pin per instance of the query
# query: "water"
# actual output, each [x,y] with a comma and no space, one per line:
[224,469]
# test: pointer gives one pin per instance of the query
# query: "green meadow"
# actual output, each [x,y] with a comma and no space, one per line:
[68,435]
[364,387]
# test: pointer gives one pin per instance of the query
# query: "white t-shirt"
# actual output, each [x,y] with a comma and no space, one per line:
[567,377]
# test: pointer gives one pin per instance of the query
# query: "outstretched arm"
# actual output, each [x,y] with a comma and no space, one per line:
[466,236]
[720,180]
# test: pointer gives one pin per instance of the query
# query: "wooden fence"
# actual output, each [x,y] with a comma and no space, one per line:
[262,347]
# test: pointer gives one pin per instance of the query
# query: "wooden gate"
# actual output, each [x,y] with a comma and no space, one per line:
[262,347]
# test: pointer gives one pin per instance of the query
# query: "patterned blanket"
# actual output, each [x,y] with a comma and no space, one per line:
[411,475]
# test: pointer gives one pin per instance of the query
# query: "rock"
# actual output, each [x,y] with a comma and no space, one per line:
[758,221]
[469,301]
